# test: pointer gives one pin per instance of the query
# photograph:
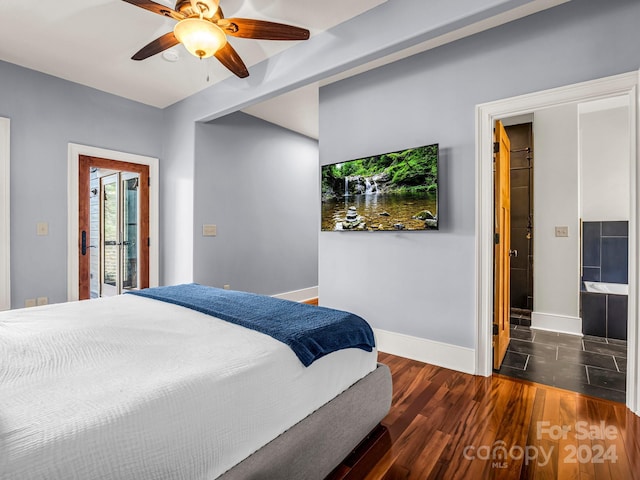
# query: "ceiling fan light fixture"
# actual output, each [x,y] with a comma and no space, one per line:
[200,37]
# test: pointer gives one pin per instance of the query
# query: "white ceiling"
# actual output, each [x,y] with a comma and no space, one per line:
[297,110]
[91,42]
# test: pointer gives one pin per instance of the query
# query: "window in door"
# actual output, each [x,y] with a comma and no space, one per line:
[119,233]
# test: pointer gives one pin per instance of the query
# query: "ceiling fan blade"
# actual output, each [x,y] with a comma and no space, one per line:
[230,59]
[157,8]
[166,41]
[262,30]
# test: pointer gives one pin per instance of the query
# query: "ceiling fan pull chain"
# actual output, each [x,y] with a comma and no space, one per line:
[206,68]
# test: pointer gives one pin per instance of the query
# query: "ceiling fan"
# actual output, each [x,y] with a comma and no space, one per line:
[203,30]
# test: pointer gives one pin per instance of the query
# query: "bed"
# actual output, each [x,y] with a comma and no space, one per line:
[137,387]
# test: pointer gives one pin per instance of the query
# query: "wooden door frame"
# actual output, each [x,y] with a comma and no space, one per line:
[73,172]
[486,114]
[86,162]
[5,214]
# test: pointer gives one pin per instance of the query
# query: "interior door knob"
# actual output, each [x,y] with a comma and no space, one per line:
[513,253]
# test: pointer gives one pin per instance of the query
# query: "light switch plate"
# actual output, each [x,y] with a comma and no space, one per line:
[209,230]
[42,229]
[562,231]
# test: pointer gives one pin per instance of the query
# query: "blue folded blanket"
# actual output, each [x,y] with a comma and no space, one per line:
[310,331]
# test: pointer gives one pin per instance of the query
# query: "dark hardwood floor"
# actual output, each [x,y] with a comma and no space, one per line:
[449,425]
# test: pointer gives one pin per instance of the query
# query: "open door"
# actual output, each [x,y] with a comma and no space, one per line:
[119,244]
[502,260]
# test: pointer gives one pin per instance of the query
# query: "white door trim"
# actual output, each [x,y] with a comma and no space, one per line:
[486,114]
[74,153]
[5,215]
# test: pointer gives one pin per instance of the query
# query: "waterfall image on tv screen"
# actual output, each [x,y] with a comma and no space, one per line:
[389,192]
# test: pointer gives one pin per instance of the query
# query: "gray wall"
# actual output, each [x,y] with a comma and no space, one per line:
[347,45]
[556,260]
[423,284]
[259,184]
[46,114]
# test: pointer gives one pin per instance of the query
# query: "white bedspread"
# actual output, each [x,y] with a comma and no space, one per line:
[132,388]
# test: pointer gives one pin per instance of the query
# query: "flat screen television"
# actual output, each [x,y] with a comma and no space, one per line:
[395,191]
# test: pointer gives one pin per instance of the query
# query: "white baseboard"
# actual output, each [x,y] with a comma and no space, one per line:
[299,295]
[556,323]
[428,351]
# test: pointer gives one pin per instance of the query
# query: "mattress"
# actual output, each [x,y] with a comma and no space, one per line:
[130,387]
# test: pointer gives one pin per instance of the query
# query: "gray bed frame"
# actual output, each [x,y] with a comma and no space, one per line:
[313,448]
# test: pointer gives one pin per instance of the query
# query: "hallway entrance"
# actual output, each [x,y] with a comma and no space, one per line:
[566,331]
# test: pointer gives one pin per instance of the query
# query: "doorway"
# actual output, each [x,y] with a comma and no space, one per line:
[121,161]
[584,153]
[115,232]
[520,135]
[513,197]
[621,85]
[113,220]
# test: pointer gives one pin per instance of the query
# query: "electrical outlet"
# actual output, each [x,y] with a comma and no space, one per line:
[30,302]
[227,287]
[562,231]
[42,301]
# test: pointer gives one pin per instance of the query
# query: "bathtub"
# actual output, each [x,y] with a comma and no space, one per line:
[607,288]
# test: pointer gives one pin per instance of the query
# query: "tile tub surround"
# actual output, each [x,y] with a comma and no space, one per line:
[605,259]
[604,315]
[605,252]
[589,365]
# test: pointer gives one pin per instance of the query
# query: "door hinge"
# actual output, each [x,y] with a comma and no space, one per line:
[496,147]
[148,242]
[148,181]
[496,238]
[496,330]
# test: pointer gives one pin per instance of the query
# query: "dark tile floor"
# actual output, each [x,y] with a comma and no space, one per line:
[589,365]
